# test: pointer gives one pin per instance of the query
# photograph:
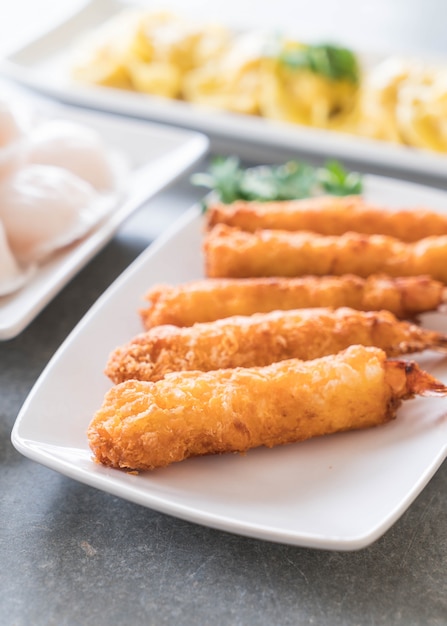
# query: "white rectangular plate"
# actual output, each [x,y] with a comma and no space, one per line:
[157,155]
[339,492]
[42,64]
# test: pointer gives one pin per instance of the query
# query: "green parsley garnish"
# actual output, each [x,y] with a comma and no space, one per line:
[292,180]
[333,62]
[335,180]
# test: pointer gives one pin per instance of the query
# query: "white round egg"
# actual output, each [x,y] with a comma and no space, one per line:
[44,208]
[76,148]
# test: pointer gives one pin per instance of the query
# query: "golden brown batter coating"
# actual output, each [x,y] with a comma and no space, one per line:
[329,215]
[143,425]
[230,252]
[211,299]
[264,338]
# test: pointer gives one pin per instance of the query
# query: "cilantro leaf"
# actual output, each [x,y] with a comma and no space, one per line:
[335,180]
[291,180]
[224,176]
[281,182]
[333,62]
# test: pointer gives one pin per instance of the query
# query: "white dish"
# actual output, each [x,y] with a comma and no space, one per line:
[157,155]
[340,492]
[42,65]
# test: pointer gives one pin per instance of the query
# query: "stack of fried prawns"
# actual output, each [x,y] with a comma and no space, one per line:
[297,331]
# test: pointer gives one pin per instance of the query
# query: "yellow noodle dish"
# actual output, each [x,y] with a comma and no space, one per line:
[257,73]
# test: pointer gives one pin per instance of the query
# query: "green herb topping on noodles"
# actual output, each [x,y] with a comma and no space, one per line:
[333,62]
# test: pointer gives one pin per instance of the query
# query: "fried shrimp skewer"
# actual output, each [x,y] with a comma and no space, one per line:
[230,252]
[329,215]
[143,425]
[264,338]
[211,299]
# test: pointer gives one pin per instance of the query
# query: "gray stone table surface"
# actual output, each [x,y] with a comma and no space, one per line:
[71,555]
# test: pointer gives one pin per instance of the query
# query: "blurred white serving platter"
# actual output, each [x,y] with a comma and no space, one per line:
[156,154]
[43,64]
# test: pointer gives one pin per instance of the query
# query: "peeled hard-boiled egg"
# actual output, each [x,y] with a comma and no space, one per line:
[44,208]
[75,148]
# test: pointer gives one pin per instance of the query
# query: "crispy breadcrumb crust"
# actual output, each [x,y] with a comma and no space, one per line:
[329,215]
[230,252]
[263,338]
[211,299]
[143,425]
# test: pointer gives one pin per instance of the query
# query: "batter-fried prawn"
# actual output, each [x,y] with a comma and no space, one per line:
[230,252]
[143,425]
[263,338]
[211,299]
[329,215]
